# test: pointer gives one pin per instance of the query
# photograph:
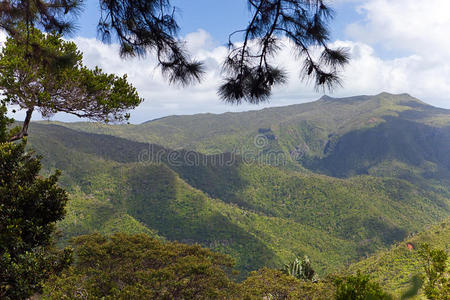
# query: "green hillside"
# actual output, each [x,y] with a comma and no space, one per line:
[326,115]
[395,267]
[261,214]
[336,136]
[86,214]
[160,200]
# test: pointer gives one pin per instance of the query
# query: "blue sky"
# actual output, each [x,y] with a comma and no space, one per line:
[222,17]
[399,46]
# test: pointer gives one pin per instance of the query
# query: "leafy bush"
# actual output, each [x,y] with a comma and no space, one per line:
[139,267]
[274,284]
[359,287]
[437,283]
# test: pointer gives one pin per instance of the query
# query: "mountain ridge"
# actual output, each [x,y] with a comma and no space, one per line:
[324,98]
[312,132]
[336,181]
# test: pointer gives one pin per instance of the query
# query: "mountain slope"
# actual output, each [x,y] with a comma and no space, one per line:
[380,135]
[260,214]
[340,115]
[86,214]
[159,199]
[395,267]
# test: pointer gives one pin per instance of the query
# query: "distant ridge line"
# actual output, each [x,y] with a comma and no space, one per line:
[324,98]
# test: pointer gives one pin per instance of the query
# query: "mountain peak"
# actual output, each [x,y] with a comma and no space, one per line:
[402,97]
[327,98]
[387,94]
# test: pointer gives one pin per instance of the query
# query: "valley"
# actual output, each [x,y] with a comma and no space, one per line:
[334,179]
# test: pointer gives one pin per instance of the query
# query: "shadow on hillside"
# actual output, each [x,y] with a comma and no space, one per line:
[141,179]
[157,198]
[358,151]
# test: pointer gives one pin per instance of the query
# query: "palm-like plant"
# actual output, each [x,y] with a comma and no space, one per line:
[301,269]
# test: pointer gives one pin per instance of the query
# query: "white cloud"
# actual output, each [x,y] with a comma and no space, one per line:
[419,30]
[198,41]
[414,26]
[414,74]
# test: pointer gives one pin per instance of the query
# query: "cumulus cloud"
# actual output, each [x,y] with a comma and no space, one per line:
[419,31]
[414,74]
[411,25]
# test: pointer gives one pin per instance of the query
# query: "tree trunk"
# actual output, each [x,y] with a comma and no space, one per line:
[24,131]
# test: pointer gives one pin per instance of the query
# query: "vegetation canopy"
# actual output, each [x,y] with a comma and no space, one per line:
[29,208]
[434,261]
[138,267]
[53,79]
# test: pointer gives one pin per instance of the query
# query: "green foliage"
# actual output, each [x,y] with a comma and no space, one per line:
[124,266]
[55,80]
[273,284]
[23,273]
[359,287]
[301,269]
[29,208]
[87,214]
[138,267]
[435,264]
[395,268]
[413,290]
[4,123]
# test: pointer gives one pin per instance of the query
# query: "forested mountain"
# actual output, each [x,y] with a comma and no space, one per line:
[336,179]
[338,136]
